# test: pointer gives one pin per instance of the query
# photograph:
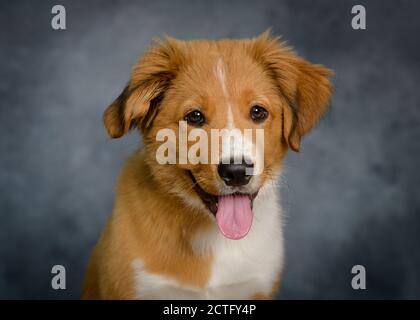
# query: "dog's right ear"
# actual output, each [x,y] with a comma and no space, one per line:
[138,103]
[306,86]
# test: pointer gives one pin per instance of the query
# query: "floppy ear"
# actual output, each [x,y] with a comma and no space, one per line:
[138,103]
[310,102]
[305,86]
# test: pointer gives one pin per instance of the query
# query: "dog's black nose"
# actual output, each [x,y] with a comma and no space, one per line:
[235,174]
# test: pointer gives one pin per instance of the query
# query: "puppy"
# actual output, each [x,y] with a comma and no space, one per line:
[205,230]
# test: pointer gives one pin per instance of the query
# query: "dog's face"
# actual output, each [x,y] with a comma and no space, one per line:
[230,85]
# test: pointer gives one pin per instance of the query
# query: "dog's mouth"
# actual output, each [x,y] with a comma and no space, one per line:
[233,212]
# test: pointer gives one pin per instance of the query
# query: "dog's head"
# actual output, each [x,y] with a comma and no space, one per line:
[188,89]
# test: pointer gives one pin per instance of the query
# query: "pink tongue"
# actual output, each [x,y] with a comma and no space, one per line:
[234,216]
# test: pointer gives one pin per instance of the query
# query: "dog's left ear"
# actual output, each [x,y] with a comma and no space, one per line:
[138,103]
[305,86]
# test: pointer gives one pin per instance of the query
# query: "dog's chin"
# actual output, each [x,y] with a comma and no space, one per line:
[211,200]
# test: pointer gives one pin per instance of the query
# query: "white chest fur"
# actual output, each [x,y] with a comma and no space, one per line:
[241,268]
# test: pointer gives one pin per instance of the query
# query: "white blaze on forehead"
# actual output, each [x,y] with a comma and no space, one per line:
[221,77]
[234,144]
[220,74]
[227,147]
[230,122]
[242,146]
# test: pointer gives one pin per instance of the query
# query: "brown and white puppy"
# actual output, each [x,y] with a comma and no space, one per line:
[204,231]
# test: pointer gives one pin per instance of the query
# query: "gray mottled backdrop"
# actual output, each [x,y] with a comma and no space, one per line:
[351,196]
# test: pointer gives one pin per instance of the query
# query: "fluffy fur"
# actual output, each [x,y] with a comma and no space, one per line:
[161,241]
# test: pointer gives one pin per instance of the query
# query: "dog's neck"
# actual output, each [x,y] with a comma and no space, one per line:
[170,221]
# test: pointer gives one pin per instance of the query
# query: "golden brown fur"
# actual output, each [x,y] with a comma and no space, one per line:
[149,220]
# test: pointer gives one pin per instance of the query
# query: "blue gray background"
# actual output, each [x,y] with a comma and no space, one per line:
[350,197]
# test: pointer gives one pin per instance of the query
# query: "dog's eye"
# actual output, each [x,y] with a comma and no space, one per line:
[195,118]
[258,113]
